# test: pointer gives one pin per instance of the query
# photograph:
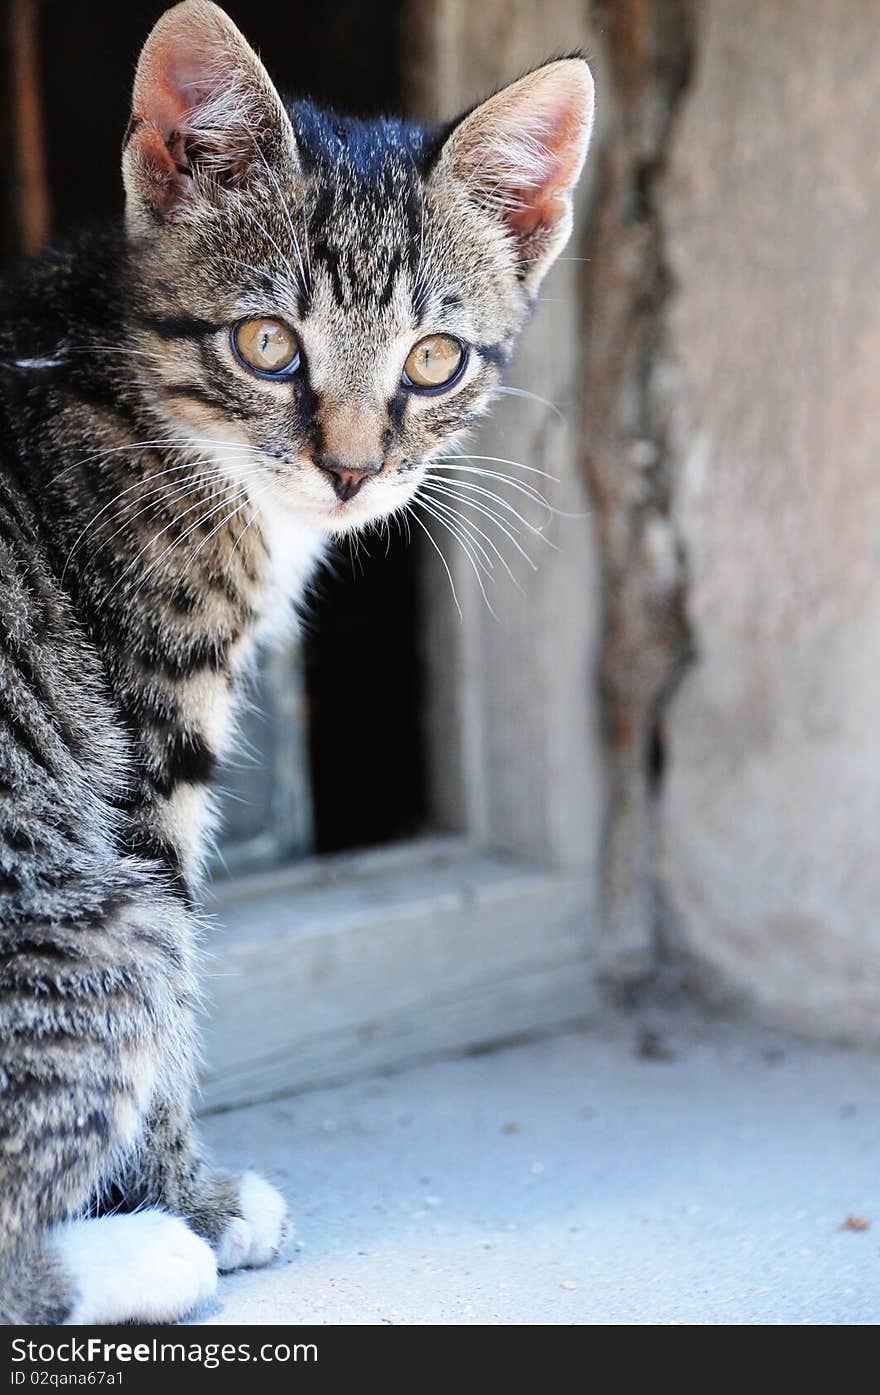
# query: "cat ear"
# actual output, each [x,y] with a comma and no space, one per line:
[520,153]
[203,107]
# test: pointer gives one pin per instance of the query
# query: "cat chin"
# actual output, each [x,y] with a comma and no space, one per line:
[337,520]
[340,525]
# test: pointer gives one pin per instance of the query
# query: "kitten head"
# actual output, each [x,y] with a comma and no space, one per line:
[333,300]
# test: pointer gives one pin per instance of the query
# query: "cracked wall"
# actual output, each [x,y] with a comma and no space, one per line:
[732,442]
[630,459]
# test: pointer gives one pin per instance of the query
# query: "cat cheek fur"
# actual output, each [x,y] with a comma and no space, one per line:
[160,511]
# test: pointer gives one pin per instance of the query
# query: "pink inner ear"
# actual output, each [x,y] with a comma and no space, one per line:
[175,78]
[151,143]
[522,150]
[536,202]
[177,72]
[534,213]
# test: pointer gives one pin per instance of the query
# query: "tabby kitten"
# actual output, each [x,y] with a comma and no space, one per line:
[301,311]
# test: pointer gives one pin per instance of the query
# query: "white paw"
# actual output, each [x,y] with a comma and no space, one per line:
[145,1267]
[255,1238]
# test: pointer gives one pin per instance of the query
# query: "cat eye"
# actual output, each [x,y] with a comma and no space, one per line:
[267,347]
[436,362]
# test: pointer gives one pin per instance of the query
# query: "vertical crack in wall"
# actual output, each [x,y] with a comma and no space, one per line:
[630,457]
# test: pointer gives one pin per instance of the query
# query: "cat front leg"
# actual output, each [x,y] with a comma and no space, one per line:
[95,1017]
[242,1216]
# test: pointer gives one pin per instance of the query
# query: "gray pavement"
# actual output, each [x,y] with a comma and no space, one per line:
[656,1170]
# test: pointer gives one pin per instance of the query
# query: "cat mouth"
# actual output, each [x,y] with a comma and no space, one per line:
[344,513]
[348,514]
[352,511]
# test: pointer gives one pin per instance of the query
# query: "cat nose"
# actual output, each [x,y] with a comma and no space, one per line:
[348,479]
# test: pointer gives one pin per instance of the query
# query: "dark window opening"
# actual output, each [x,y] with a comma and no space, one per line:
[363,684]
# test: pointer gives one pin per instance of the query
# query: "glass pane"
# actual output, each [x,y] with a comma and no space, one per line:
[264,785]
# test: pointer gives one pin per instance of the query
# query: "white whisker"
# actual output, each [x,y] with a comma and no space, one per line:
[468,530]
[506,505]
[529,491]
[498,520]
[530,396]
[222,524]
[499,460]
[175,444]
[138,484]
[209,513]
[410,512]
[243,208]
[473,527]
[474,561]
[113,349]
[167,492]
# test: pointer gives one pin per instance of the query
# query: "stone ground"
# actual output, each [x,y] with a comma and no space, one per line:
[660,1171]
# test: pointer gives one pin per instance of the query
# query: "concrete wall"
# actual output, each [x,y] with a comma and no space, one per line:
[770,808]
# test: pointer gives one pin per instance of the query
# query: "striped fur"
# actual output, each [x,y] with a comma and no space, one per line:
[161,509]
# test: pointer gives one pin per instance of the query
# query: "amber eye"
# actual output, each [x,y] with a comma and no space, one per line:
[266,347]
[435,362]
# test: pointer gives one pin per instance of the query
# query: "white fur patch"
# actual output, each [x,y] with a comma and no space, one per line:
[38,363]
[294,546]
[145,1267]
[254,1239]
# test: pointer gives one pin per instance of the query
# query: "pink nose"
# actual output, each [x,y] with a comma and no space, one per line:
[348,480]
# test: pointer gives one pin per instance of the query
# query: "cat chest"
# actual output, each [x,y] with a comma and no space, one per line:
[183,681]
[182,725]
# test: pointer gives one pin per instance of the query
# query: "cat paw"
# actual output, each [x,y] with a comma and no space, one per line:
[255,1237]
[144,1267]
